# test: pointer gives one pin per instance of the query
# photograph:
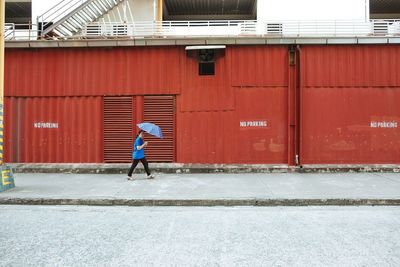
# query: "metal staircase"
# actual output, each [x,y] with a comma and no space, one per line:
[68,17]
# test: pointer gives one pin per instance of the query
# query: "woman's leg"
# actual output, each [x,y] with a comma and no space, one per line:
[146,165]
[134,164]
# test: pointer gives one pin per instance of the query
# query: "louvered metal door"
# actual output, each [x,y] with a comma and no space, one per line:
[161,111]
[118,123]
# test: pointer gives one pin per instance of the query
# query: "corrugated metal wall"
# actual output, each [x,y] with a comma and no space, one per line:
[93,71]
[207,93]
[351,66]
[250,85]
[53,129]
[259,66]
[349,96]
[350,104]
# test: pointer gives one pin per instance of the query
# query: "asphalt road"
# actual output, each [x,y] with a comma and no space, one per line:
[199,236]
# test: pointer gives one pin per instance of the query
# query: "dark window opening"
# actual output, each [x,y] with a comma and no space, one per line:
[206,68]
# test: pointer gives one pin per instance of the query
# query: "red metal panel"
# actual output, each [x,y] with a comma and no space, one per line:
[260,66]
[350,125]
[351,66]
[207,93]
[206,137]
[347,91]
[53,129]
[262,144]
[154,70]
[93,71]
[33,72]
[161,111]
[212,107]
[218,137]
[118,124]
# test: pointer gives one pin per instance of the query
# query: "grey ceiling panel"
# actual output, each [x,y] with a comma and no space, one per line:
[385,6]
[209,7]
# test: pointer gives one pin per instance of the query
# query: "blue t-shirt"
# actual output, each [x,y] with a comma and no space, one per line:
[138,154]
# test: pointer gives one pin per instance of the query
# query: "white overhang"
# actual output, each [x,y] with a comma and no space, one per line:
[198,47]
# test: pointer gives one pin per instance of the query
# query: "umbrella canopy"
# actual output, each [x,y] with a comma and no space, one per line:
[151,128]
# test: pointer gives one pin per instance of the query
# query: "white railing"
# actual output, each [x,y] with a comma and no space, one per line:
[9,31]
[229,28]
[20,32]
[244,28]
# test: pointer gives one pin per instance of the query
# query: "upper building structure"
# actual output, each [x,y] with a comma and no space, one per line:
[77,19]
[286,83]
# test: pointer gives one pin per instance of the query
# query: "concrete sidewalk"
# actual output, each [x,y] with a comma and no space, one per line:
[257,189]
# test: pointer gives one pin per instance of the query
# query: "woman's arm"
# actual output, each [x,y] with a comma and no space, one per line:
[142,146]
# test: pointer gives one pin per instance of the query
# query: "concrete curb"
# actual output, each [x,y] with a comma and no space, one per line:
[199,168]
[201,202]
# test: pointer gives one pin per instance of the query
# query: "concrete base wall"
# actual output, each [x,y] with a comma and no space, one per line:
[198,168]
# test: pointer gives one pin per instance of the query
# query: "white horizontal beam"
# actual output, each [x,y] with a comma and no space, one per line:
[198,47]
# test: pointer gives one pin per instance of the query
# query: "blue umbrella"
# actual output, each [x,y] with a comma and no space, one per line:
[151,128]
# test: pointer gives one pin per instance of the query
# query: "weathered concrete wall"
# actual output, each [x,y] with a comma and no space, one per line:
[313,10]
[132,10]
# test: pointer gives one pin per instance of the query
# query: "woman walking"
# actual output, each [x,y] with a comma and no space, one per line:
[138,155]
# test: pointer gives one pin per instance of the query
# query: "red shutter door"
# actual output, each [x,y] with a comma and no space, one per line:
[161,111]
[118,129]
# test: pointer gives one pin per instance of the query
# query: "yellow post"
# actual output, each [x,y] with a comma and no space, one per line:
[7,178]
[159,10]
[2,24]
[158,18]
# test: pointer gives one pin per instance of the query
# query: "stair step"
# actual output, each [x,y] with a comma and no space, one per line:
[62,31]
[108,4]
[88,11]
[68,26]
[113,2]
[73,26]
[81,19]
[101,5]
[57,33]
[74,23]
[97,8]
[93,10]
[93,7]
[85,17]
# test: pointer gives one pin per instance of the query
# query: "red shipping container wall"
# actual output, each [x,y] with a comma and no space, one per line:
[240,114]
[349,102]
[206,137]
[350,66]
[53,129]
[259,66]
[207,92]
[350,105]
[255,133]
[93,71]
